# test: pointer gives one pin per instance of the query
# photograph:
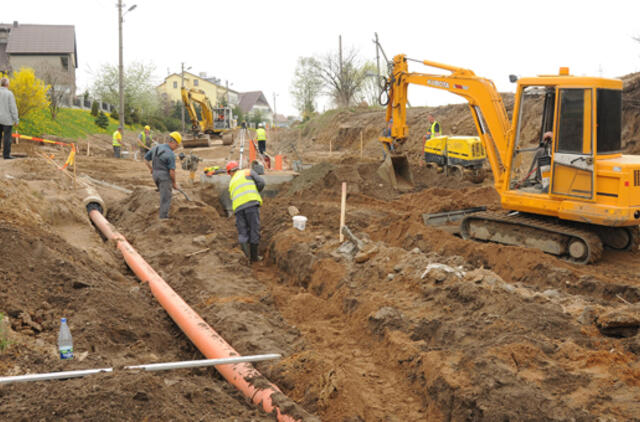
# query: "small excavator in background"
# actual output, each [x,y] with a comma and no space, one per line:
[217,123]
[590,194]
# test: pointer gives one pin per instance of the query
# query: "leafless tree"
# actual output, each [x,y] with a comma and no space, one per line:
[343,77]
[60,83]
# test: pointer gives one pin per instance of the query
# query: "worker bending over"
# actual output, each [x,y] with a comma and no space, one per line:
[163,170]
[244,189]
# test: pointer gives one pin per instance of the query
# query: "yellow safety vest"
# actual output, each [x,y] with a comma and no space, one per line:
[431,133]
[144,138]
[243,190]
[117,137]
[261,134]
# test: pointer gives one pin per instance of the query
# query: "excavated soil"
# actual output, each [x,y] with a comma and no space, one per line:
[413,324]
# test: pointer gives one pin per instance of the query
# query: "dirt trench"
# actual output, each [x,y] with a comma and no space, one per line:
[418,325]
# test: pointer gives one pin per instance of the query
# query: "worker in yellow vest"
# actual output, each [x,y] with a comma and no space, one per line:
[144,140]
[244,189]
[433,130]
[117,142]
[261,137]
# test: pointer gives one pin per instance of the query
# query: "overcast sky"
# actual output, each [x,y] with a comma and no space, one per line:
[255,44]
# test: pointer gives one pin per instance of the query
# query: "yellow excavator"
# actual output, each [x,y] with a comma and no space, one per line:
[588,195]
[217,123]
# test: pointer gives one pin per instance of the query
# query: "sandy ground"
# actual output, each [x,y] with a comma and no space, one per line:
[417,325]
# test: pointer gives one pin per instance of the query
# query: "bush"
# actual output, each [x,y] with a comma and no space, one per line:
[102,120]
[94,108]
[115,115]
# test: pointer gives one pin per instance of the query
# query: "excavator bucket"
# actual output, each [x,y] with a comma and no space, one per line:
[396,171]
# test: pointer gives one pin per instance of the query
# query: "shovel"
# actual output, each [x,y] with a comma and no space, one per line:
[184,193]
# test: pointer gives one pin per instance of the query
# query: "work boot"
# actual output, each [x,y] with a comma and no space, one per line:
[254,253]
[245,249]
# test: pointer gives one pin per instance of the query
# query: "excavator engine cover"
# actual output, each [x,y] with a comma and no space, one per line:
[396,171]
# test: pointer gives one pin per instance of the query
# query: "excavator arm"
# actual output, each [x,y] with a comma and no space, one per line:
[485,103]
[191,96]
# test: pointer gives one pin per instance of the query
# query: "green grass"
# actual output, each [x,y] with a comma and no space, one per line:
[69,123]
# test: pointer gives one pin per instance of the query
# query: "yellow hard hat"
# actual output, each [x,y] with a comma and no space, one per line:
[176,137]
[147,127]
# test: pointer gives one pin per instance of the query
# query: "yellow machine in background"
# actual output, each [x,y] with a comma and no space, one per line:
[457,156]
[217,123]
[592,198]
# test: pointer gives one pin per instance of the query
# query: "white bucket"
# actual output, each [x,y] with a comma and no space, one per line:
[299,222]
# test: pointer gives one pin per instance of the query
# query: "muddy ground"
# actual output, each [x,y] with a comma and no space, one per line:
[416,325]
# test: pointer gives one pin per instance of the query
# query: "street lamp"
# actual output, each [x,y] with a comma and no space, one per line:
[182,86]
[275,113]
[120,71]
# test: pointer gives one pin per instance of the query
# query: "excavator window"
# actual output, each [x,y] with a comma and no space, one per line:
[609,120]
[571,117]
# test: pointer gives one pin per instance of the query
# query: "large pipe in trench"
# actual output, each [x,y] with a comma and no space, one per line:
[242,375]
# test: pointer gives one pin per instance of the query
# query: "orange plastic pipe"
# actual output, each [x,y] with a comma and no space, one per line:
[209,342]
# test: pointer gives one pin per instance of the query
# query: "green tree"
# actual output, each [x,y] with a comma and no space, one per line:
[307,86]
[139,90]
[94,108]
[29,91]
[102,120]
[256,116]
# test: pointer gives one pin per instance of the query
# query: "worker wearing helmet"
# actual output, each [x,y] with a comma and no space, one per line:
[117,142]
[145,140]
[244,189]
[261,137]
[161,162]
[433,130]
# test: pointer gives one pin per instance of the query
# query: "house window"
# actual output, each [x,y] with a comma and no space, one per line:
[175,84]
[195,82]
[64,61]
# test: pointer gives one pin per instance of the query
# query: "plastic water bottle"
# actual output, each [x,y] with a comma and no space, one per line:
[65,342]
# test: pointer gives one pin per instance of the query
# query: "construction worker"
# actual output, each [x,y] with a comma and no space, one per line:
[433,130]
[144,140]
[261,137]
[8,117]
[244,189]
[161,162]
[117,142]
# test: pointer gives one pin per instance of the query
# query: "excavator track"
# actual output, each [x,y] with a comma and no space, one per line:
[568,241]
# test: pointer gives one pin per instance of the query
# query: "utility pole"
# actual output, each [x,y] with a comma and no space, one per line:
[181,87]
[377,55]
[120,70]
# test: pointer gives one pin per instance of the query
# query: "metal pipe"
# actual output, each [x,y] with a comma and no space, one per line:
[203,362]
[53,375]
[242,375]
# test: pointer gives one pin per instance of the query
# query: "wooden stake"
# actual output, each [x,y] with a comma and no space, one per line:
[343,208]
[361,143]
[88,147]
